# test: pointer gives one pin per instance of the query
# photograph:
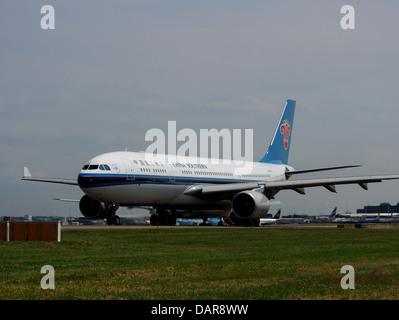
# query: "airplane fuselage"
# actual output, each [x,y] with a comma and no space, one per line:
[142,179]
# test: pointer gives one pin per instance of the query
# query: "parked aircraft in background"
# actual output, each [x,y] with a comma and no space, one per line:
[331,217]
[200,222]
[376,219]
[367,217]
[265,221]
[196,188]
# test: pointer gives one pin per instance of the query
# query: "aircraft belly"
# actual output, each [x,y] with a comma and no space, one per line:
[136,194]
[189,202]
[168,196]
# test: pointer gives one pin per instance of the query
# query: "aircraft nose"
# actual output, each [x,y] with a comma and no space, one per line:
[80,180]
[83,180]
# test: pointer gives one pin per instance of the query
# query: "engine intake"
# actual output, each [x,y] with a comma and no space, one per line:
[92,209]
[250,205]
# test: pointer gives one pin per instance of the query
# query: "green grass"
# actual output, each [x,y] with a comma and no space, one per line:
[204,263]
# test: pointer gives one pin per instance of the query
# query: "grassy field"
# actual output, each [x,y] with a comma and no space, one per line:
[204,263]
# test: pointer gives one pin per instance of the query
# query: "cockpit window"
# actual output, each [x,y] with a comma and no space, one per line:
[104,167]
[96,166]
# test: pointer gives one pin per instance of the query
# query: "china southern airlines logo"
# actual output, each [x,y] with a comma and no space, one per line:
[285,130]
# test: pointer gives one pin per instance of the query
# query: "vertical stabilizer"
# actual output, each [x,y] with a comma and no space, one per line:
[333,214]
[280,146]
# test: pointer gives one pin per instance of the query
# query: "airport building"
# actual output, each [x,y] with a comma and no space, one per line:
[381,208]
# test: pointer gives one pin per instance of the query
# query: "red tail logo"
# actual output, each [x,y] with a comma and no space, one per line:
[285,130]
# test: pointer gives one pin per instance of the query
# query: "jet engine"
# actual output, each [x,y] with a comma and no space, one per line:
[93,209]
[250,205]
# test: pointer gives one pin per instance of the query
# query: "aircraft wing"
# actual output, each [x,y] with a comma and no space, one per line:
[328,183]
[28,177]
[274,187]
[66,200]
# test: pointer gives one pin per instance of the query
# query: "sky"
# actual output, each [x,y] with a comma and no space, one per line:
[112,70]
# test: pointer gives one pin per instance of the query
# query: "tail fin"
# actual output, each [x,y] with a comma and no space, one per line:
[278,214]
[333,214]
[280,146]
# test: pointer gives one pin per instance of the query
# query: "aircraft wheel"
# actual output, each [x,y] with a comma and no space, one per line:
[154,220]
[113,220]
[236,220]
[110,219]
[172,220]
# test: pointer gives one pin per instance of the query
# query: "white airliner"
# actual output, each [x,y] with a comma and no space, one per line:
[186,187]
[265,221]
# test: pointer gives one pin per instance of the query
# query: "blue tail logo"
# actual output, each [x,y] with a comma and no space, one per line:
[280,146]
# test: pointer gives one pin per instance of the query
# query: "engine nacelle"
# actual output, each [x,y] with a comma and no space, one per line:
[250,205]
[93,209]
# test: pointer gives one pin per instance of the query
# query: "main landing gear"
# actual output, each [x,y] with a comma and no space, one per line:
[163,218]
[112,218]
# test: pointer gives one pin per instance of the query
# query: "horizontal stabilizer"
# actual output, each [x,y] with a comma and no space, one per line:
[291,173]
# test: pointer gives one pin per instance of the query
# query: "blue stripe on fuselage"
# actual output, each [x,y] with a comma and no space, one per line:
[102,180]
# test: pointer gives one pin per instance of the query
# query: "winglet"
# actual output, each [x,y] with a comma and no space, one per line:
[26,172]
[28,177]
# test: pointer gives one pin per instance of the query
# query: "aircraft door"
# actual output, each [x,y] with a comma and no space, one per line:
[129,169]
[171,173]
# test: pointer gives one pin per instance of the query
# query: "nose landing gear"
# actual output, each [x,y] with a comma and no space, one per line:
[112,218]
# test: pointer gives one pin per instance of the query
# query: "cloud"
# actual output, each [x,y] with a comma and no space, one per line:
[250,103]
